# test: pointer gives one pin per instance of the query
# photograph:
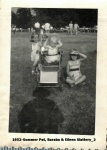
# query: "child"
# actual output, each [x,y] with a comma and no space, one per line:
[36,46]
[51,45]
[37,28]
[73,68]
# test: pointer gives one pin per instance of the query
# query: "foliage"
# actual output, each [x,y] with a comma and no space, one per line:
[62,17]
[24,17]
[55,16]
[14,18]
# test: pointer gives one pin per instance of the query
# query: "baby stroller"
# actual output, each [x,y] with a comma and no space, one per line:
[49,75]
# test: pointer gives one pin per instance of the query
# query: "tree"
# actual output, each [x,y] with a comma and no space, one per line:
[61,17]
[88,17]
[26,17]
[23,17]
[13,19]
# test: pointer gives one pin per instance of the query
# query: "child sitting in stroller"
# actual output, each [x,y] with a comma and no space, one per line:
[51,47]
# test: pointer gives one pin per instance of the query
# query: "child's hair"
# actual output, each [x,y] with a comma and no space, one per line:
[53,40]
[74,52]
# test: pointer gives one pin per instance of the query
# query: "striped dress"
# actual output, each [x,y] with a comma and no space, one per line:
[74,67]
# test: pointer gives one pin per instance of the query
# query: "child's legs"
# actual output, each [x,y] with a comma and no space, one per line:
[32,56]
[80,79]
[75,31]
[35,62]
[69,80]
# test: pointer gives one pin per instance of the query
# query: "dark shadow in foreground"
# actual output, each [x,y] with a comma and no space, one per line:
[41,115]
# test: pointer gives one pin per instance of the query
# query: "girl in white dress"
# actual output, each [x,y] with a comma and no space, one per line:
[36,47]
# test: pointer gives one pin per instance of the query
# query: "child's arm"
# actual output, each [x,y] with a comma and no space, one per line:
[59,44]
[45,47]
[83,56]
[45,43]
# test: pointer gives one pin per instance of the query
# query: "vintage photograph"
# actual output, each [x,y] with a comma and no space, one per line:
[53,70]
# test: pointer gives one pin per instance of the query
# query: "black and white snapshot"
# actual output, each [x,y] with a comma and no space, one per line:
[53,70]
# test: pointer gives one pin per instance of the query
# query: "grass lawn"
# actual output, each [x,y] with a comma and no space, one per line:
[51,111]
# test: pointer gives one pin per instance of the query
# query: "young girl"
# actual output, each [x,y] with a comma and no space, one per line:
[51,45]
[36,46]
[73,68]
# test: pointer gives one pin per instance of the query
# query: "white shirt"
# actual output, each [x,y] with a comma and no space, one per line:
[76,26]
[37,25]
[35,46]
[70,25]
[53,52]
[47,26]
